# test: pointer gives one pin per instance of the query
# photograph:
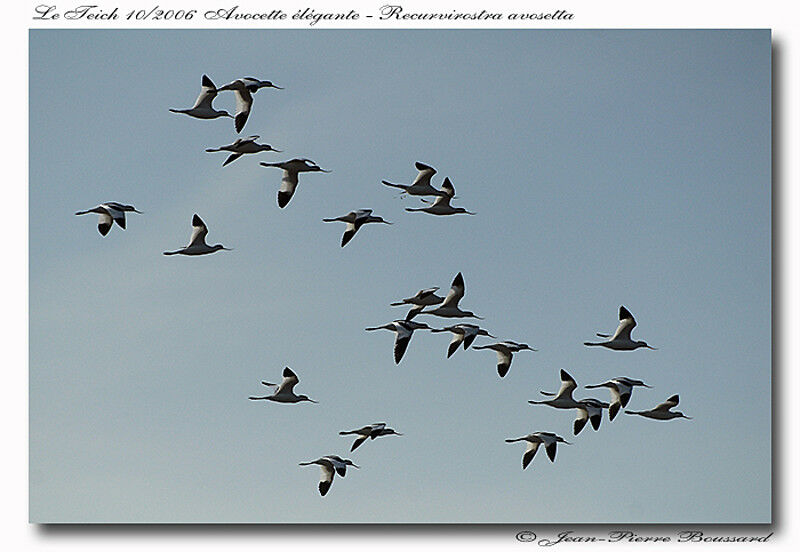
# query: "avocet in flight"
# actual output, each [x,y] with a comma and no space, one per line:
[329,465]
[449,307]
[371,431]
[505,351]
[202,108]
[422,183]
[621,340]
[621,389]
[463,334]
[109,213]
[403,329]
[242,146]
[549,440]
[355,220]
[291,169]
[285,390]
[197,243]
[663,411]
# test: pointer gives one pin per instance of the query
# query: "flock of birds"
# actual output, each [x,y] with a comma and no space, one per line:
[424,302]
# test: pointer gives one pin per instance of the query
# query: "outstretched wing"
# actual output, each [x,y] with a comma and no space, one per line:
[456,292]
[626,324]
[288,382]
[207,94]
[243,103]
[199,231]
[530,452]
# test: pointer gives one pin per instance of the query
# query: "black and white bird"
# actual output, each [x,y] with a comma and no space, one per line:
[244,102]
[549,440]
[588,410]
[371,431]
[242,146]
[329,466]
[291,169]
[422,183]
[253,84]
[563,398]
[463,334]
[285,390]
[505,351]
[403,329]
[663,411]
[202,108]
[423,298]
[109,213]
[621,340]
[449,307]
[197,242]
[621,389]
[441,206]
[355,220]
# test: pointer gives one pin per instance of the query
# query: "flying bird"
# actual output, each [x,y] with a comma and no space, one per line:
[422,183]
[588,410]
[423,298]
[109,213]
[663,411]
[563,398]
[463,334]
[244,102]
[285,390]
[355,220]
[371,431]
[449,307]
[291,169]
[253,84]
[403,329]
[242,146]
[505,351]
[441,206]
[197,243]
[621,340]
[621,389]
[202,108]
[329,466]
[549,440]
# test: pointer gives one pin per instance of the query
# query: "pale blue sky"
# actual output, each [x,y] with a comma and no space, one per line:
[606,167]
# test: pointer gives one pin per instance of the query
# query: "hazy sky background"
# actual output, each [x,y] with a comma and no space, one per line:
[606,167]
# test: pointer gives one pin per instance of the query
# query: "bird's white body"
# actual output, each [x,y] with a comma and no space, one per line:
[242,146]
[534,440]
[621,340]
[291,169]
[422,183]
[109,213]
[202,108]
[285,390]
[403,329]
[355,220]
[197,242]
